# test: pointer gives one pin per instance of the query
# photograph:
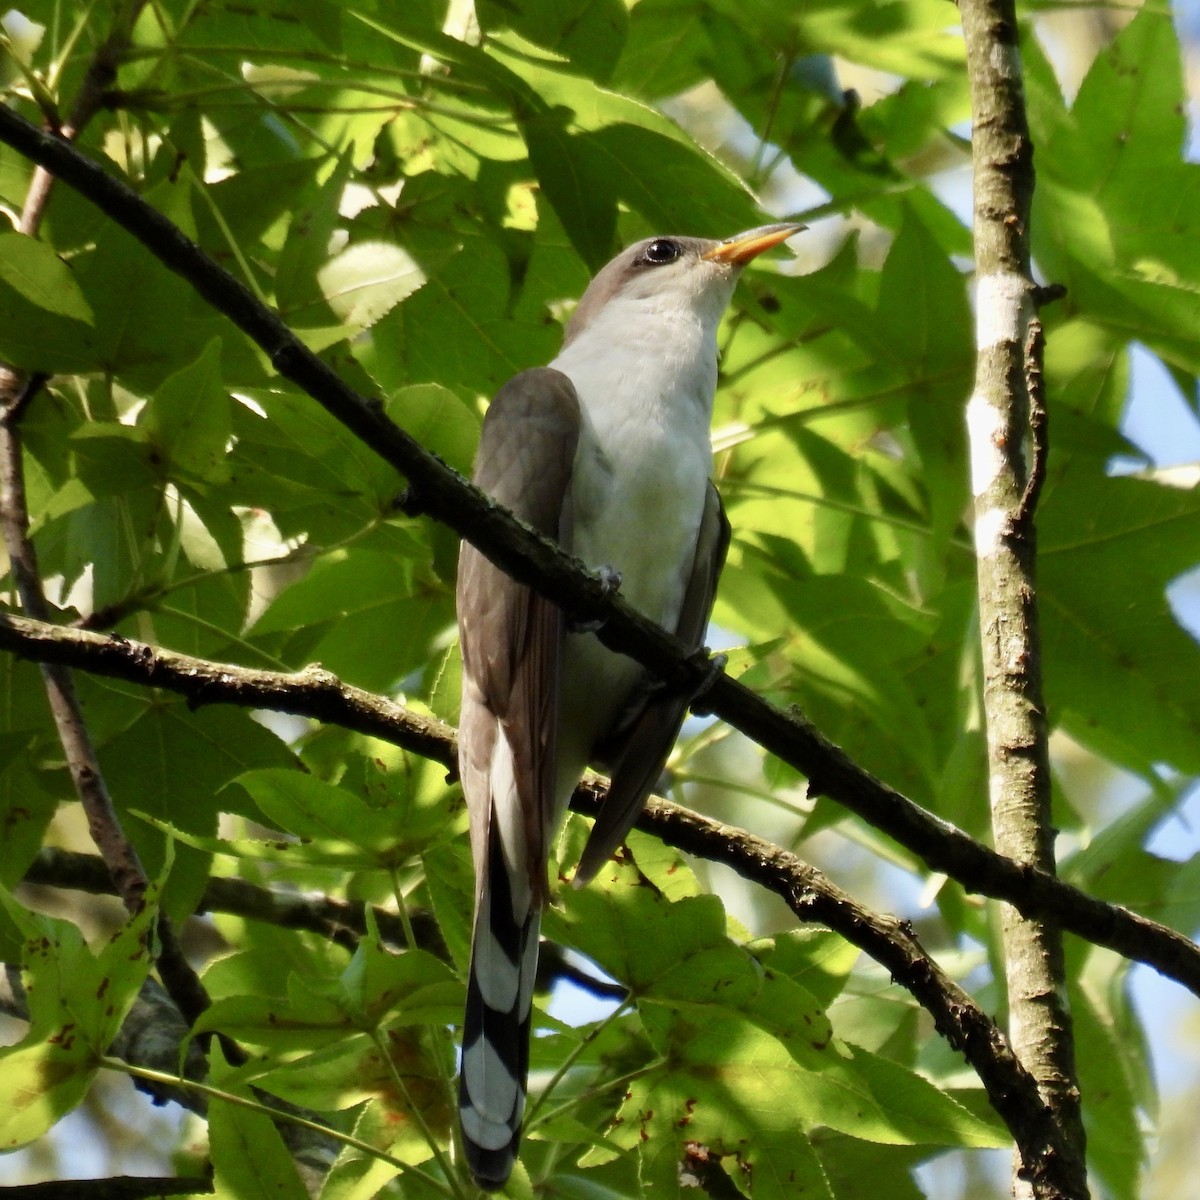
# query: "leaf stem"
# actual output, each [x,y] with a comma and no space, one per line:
[277,1114]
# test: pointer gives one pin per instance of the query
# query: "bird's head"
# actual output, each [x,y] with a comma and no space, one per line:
[684,274]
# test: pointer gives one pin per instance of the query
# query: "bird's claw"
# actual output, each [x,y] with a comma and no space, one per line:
[657,689]
[715,667]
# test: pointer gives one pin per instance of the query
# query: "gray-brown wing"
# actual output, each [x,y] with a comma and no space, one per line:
[511,637]
[512,647]
[653,731]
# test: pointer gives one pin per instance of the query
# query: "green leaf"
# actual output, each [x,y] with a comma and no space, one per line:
[27,806]
[308,1018]
[734,1039]
[366,280]
[392,823]
[266,962]
[188,420]
[340,585]
[290,854]
[1128,113]
[42,1083]
[818,960]
[405,988]
[1111,644]
[308,808]
[910,39]
[318,483]
[1109,1044]
[661,950]
[925,317]
[1115,865]
[589,33]
[249,1157]
[439,420]
[1117,212]
[577,183]
[357,602]
[33,270]
[77,1001]
[727,1076]
[675,187]
[34,340]
[450,879]
[344,289]
[854,1168]
[159,320]
[172,764]
[851,660]
[587,138]
[359,1176]
[666,50]
[456,331]
[337,1076]
[907,39]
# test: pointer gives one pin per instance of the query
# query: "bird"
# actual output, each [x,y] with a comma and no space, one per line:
[607,451]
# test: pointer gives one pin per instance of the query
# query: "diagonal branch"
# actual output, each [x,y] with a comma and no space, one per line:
[321,695]
[891,942]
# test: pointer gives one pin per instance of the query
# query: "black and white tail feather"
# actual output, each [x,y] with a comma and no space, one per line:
[495,1054]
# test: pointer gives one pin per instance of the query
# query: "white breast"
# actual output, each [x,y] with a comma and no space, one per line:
[644,459]
[645,385]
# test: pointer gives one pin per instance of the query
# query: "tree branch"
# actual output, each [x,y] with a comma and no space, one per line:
[119,1187]
[319,694]
[1000,422]
[339,921]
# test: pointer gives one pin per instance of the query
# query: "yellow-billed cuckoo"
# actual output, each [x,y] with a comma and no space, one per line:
[607,451]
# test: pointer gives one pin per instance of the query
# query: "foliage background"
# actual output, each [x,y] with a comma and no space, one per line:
[421,193]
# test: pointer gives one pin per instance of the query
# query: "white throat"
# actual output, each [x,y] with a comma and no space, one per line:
[649,358]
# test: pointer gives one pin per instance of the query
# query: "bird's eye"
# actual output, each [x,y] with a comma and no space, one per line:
[660,251]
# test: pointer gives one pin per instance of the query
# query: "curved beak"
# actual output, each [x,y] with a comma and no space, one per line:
[742,247]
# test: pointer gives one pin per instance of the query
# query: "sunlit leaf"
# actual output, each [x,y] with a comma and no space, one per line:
[77,1000]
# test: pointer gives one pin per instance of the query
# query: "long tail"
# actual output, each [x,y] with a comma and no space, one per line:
[495,1057]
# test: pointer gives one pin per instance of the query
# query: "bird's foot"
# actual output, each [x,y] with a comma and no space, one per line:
[715,668]
[658,689]
[610,582]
